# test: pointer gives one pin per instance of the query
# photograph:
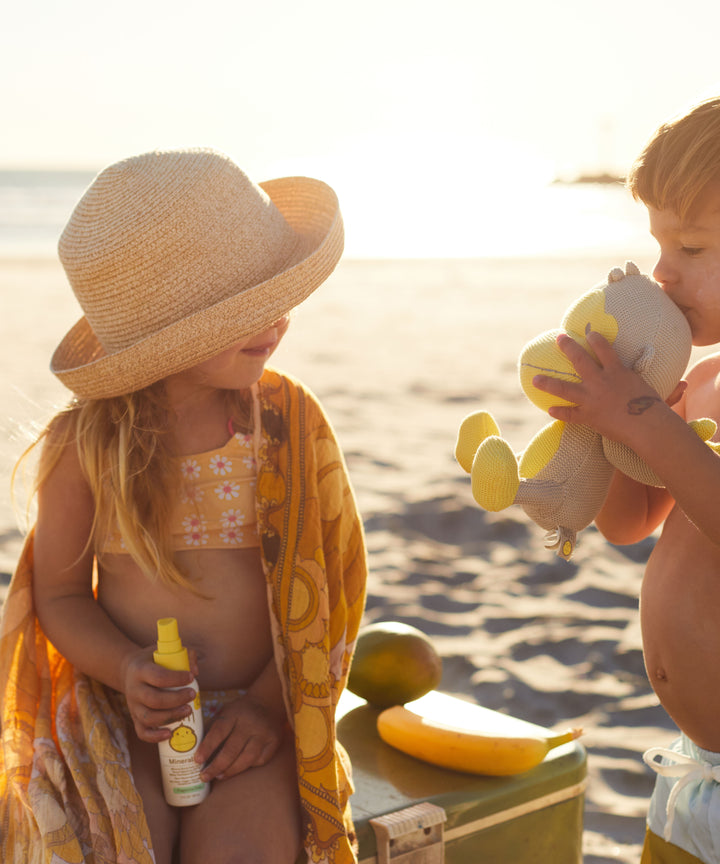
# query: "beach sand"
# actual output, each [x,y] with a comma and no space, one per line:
[399,352]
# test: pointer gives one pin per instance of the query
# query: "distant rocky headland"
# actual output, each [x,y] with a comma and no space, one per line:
[600,177]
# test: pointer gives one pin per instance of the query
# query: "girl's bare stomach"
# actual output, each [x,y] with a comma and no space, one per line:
[227,622]
[680,617]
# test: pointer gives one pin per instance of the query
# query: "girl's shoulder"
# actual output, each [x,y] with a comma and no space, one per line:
[61,429]
[274,381]
[273,377]
[59,453]
[286,394]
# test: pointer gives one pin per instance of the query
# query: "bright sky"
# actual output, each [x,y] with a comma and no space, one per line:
[418,113]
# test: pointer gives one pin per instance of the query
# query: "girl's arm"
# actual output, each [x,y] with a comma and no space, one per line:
[75,623]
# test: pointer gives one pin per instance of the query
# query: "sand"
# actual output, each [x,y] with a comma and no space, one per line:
[399,352]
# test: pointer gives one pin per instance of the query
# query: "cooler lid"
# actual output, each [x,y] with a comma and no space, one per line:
[387,780]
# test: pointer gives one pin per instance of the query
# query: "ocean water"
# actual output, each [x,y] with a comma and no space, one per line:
[552,219]
[34,206]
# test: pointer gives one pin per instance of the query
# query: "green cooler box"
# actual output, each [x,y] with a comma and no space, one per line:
[410,812]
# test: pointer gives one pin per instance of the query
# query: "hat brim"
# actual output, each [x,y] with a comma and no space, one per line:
[311,208]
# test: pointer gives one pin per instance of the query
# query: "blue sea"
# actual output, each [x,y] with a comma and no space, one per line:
[34,206]
[547,219]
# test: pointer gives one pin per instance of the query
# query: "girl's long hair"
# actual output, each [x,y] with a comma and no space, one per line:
[125,448]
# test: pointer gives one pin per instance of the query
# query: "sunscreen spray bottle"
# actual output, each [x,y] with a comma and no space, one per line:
[180,772]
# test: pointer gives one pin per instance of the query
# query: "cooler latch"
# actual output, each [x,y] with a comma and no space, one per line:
[411,836]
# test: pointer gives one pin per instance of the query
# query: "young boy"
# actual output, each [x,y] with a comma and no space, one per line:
[678,178]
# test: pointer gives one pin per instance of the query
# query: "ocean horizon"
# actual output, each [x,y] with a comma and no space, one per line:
[548,219]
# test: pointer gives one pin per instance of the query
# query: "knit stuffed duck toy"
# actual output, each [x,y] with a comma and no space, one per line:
[563,475]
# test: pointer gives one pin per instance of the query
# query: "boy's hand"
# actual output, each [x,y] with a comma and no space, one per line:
[244,735]
[608,395]
[152,705]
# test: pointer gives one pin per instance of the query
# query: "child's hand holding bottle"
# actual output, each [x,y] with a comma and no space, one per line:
[152,696]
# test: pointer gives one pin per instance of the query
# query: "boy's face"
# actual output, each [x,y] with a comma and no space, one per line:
[688,268]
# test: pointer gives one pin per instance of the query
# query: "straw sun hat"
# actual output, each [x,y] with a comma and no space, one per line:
[175,256]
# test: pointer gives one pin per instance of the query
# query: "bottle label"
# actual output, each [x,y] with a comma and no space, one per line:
[180,771]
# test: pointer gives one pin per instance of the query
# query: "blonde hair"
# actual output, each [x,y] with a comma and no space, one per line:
[679,161]
[125,449]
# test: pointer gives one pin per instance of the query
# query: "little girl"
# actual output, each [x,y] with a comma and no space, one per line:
[187,480]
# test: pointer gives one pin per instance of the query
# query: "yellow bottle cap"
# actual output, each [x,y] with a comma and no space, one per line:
[170,651]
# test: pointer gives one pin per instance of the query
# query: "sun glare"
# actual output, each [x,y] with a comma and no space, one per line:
[449,197]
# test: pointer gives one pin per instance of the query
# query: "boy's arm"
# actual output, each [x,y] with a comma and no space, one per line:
[631,510]
[619,404]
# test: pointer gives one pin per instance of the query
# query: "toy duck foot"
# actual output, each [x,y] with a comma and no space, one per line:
[474,429]
[495,475]
[705,428]
[562,540]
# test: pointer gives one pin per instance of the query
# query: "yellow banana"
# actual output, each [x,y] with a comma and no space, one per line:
[452,733]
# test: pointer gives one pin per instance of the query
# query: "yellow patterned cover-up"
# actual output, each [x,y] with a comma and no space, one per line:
[66,791]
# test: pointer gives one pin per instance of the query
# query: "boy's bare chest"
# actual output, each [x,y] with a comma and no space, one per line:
[702,398]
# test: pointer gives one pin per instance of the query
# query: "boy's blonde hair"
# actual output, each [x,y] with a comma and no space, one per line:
[126,454]
[679,161]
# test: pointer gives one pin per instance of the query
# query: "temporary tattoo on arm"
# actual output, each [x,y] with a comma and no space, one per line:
[640,404]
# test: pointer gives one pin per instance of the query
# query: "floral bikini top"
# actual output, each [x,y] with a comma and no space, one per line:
[216,509]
